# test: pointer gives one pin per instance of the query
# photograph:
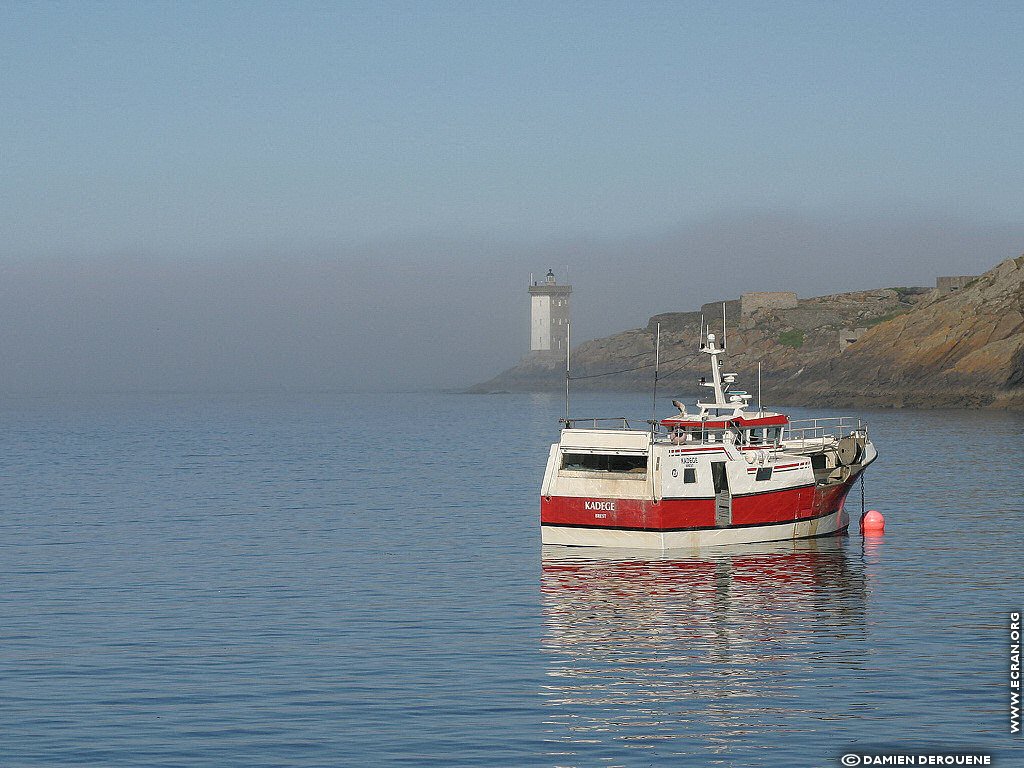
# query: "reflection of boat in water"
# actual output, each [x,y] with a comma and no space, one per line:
[744,587]
[727,474]
[644,647]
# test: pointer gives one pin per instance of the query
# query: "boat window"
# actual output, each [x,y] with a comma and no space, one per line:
[764,473]
[697,435]
[603,462]
[761,435]
[689,475]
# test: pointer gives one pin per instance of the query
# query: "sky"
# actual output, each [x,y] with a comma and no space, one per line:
[352,196]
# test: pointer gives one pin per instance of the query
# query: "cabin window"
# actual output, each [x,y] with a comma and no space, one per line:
[818,461]
[764,473]
[698,435]
[689,475]
[762,435]
[604,462]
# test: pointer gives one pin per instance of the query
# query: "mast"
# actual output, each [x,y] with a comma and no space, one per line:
[657,356]
[568,346]
[716,373]
[716,378]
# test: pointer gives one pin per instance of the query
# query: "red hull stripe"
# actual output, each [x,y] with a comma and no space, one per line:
[766,421]
[805,502]
[739,421]
[695,423]
[735,495]
[692,528]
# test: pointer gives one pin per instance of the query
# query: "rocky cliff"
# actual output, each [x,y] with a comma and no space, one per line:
[964,349]
[892,347]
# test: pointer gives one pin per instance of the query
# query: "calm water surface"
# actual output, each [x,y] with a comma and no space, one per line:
[328,580]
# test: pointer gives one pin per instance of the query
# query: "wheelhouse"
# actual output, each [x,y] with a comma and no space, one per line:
[764,430]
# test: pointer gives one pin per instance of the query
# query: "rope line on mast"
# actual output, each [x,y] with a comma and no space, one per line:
[640,368]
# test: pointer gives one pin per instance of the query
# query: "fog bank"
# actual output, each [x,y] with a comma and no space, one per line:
[433,313]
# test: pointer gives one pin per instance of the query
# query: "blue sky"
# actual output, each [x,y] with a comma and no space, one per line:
[506,138]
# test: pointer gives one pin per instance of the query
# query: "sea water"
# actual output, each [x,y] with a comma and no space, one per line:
[334,580]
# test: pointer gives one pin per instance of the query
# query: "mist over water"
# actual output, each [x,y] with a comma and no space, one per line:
[429,313]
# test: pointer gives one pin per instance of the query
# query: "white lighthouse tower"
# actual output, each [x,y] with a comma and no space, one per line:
[549,316]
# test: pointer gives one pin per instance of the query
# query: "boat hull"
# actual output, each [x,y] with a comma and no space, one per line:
[828,524]
[796,513]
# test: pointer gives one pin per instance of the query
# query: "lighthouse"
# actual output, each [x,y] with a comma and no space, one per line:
[549,315]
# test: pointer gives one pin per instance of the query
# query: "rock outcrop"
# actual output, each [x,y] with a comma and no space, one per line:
[892,347]
[964,349]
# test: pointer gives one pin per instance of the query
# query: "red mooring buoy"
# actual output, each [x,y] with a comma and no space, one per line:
[872,523]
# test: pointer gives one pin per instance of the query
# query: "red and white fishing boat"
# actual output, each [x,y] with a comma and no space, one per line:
[727,474]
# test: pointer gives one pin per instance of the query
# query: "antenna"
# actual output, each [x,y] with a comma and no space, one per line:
[657,358]
[760,407]
[568,347]
[701,330]
[723,325]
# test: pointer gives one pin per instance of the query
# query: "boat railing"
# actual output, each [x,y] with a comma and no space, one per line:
[814,431]
[613,422]
[800,431]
